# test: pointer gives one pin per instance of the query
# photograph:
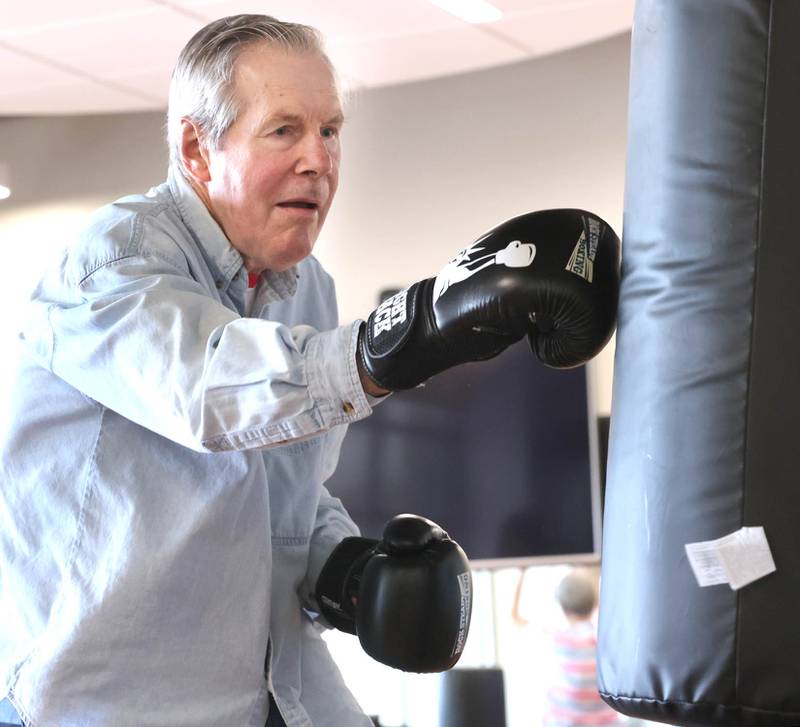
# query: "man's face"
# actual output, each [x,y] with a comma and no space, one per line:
[273,178]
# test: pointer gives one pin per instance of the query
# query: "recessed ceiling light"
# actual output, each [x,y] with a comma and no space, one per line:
[473,11]
[5,192]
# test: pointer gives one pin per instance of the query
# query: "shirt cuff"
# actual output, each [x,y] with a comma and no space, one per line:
[332,375]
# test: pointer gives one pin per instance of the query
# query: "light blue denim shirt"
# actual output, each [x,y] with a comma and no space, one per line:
[163,517]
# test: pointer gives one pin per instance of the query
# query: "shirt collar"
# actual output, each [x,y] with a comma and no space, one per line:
[224,260]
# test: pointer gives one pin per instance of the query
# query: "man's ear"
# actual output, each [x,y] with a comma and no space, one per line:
[193,154]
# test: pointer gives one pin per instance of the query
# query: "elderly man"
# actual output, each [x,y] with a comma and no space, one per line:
[146,581]
[166,540]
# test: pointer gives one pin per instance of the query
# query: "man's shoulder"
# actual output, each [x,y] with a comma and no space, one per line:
[142,224]
[124,222]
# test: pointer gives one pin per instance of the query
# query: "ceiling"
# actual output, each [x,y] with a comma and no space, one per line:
[89,56]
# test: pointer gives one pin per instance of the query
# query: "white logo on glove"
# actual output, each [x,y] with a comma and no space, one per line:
[514,255]
[389,313]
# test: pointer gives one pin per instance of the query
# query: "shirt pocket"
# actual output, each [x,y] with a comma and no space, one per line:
[294,476]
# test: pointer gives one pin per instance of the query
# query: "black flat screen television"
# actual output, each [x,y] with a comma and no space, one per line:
[499,453]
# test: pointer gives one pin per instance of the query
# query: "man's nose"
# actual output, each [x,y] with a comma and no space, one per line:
[316,157]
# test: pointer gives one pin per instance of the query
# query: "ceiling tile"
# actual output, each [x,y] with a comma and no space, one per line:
[546,27]
[73,97]
[125,49]
[23,18]
[20,73]
[515,6]
[340,20]
[390,59]
[105,47]
[523,7]
[152,82]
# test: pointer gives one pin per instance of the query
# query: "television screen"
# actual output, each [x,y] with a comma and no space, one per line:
[498,453]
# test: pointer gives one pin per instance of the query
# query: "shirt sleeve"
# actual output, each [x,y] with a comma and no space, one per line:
[332,522]
[146,340]
[332,525]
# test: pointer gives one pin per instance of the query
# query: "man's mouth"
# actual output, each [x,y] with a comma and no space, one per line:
[298,204]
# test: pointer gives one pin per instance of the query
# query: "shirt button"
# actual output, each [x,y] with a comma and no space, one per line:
[348,408]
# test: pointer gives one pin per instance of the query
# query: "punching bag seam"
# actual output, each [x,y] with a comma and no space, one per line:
[754,297]
[616,699]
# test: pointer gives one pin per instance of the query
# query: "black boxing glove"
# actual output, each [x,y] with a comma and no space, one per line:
[408,597]
[550,275]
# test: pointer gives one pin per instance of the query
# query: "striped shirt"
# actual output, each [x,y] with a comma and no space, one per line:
[573,699]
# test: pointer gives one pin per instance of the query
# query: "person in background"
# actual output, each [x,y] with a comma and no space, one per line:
[572,698]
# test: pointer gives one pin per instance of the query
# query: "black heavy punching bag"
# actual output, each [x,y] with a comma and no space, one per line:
[705,417]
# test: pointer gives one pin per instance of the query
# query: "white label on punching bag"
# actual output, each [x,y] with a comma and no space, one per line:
[736,559]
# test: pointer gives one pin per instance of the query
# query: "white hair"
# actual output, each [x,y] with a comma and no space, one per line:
[202,85]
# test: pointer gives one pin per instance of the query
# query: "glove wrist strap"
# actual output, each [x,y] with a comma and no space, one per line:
[335,582]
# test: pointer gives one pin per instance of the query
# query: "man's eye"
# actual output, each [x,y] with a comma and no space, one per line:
[282,130]
[330,132]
